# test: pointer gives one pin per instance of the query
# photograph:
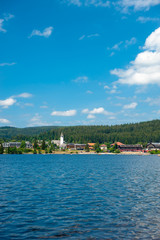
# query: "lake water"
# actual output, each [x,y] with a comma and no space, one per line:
[79,197]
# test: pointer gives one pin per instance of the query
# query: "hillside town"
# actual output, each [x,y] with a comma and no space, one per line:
[60,146]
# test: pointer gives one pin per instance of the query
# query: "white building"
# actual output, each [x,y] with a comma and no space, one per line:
[11,144]
[16,144]
[60,143]
[103,147]
[61,139]
[28,144]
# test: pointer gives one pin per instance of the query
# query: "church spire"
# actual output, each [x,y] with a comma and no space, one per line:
[61,139]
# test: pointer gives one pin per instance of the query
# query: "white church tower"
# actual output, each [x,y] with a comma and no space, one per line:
[61,139]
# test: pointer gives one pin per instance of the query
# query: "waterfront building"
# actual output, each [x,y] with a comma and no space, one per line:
[130,148]
[91,146]
[117,143]
[70,146]
[103,147]
[60,143]
[80,146]
[11,144]
[76,146]
[153,146]
[16,144]
[28,144]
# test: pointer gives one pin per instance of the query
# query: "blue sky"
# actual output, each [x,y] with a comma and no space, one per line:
[79,62]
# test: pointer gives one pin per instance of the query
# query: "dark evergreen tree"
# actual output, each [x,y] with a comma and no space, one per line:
[97,148]
[43,145]
[50,150]
[23,144]
[1,149]
[34,151]
[35,145]
[87,148]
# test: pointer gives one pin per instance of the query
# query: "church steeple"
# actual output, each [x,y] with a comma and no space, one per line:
[61,139]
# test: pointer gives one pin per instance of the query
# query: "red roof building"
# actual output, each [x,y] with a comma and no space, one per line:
[91,146]
[118,144]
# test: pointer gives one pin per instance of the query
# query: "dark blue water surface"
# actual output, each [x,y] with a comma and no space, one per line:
[79,197]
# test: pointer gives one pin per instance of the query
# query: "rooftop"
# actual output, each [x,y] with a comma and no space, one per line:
[118,143]
[91,144]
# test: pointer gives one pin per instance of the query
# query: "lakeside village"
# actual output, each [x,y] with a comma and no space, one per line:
[61,147]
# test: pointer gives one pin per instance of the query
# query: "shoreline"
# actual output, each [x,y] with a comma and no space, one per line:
[87,153]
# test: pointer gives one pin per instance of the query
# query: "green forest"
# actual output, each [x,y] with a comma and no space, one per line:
[142,132]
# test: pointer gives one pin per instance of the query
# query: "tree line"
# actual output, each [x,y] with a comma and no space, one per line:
[132,133]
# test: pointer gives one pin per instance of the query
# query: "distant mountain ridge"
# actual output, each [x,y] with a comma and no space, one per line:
[132,133]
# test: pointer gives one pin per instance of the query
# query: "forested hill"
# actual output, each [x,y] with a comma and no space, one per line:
[127,133]
[12,132]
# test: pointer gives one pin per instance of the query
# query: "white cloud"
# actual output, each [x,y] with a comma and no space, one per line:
[7,102]
[82,37]
[89,36]
[147,19]
[152,101]
[83,79]
[122,44]
[130,106]
[138,5]
[11,100]
[24,95]
[113,91]
[145,69]
[29,104]
[89,92]
[125,5]
[112,54]
[6,18]
[90,116]
[37,121]
[86,110]
[74,2]
[87,3]
[67,113]
[118,104]
[57,122]
[112,118]
[106,87]
[44,106]
[7,64]
[141,89]
[4,121]
[98,3]
[99,110]
[120,98]
[132,41]
[116,46]
[46,32]
[1,26]
[153,41]
[36,118]
[93,35]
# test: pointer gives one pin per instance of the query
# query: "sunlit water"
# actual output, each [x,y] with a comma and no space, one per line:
[79,197]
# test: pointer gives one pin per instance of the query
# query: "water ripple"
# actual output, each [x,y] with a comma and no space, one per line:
[79,197]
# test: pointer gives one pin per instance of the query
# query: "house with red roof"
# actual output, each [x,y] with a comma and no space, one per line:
[118,144]
[103,147]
